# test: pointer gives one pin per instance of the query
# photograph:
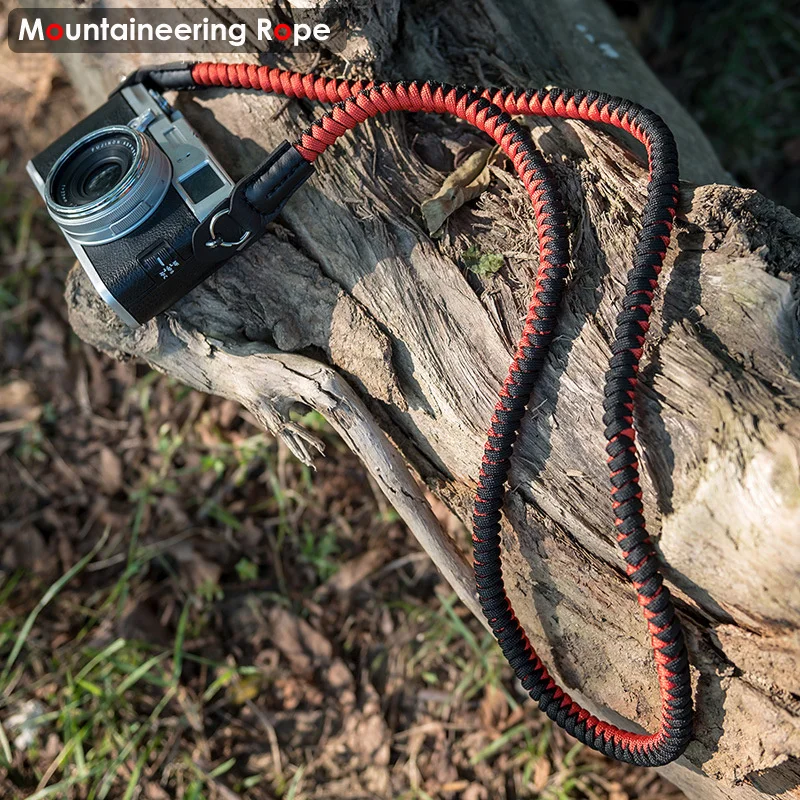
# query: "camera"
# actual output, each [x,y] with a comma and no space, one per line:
[145,205]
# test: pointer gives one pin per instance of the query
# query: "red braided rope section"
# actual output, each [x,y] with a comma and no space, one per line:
[489,110]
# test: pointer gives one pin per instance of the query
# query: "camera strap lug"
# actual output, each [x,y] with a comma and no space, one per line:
[142,122]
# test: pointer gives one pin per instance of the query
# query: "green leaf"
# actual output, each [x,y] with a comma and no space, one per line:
[484,265]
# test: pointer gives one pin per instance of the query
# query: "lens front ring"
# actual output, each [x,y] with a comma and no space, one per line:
[106,184]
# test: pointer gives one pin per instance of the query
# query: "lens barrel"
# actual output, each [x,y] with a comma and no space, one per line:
[106,184]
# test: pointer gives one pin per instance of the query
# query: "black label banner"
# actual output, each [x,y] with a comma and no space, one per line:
[174,30]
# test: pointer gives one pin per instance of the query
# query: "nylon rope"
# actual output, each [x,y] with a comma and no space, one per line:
[491,110]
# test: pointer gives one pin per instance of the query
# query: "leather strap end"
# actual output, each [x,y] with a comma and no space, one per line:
[163,77]
[274,182]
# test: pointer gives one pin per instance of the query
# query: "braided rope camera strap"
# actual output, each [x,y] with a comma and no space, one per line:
[490,110]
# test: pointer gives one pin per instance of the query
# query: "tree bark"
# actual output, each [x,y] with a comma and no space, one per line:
[350,308]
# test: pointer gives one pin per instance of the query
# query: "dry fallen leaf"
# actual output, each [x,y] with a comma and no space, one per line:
[301,645]
[493,708]
[110,471]
[199,569]
[18,401]
[356,570]
[541,775]
[475,792]
[454,786]
[152,791]
[469,180]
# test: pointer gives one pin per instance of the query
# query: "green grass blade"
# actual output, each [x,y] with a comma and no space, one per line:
[180,635]
[499,743]
[294,786]
[58,789]
[138,674]
[110,773]
[114,647]
[5,745]
[46,598]
[226,766]
[133,783]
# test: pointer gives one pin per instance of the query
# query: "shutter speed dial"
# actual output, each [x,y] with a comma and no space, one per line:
[160,262]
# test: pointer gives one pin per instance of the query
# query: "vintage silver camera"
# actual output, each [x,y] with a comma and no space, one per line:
[144,204]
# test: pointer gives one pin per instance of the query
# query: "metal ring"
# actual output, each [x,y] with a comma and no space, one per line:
[217,241]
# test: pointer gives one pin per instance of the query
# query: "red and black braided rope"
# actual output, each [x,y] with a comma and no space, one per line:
[490,110]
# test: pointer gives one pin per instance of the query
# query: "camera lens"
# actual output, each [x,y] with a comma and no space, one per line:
[106,184]
[94,169]
[102,179]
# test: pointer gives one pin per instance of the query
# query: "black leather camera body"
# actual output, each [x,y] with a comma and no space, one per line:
[147,209]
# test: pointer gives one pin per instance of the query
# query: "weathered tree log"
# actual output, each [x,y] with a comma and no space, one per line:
[349,307]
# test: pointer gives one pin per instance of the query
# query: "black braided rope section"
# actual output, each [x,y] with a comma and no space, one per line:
[638,551]
[620,382]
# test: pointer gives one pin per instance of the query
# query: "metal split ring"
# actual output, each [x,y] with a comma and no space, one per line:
[218,241]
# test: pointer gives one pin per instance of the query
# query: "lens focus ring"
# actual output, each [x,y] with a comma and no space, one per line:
[106,184]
